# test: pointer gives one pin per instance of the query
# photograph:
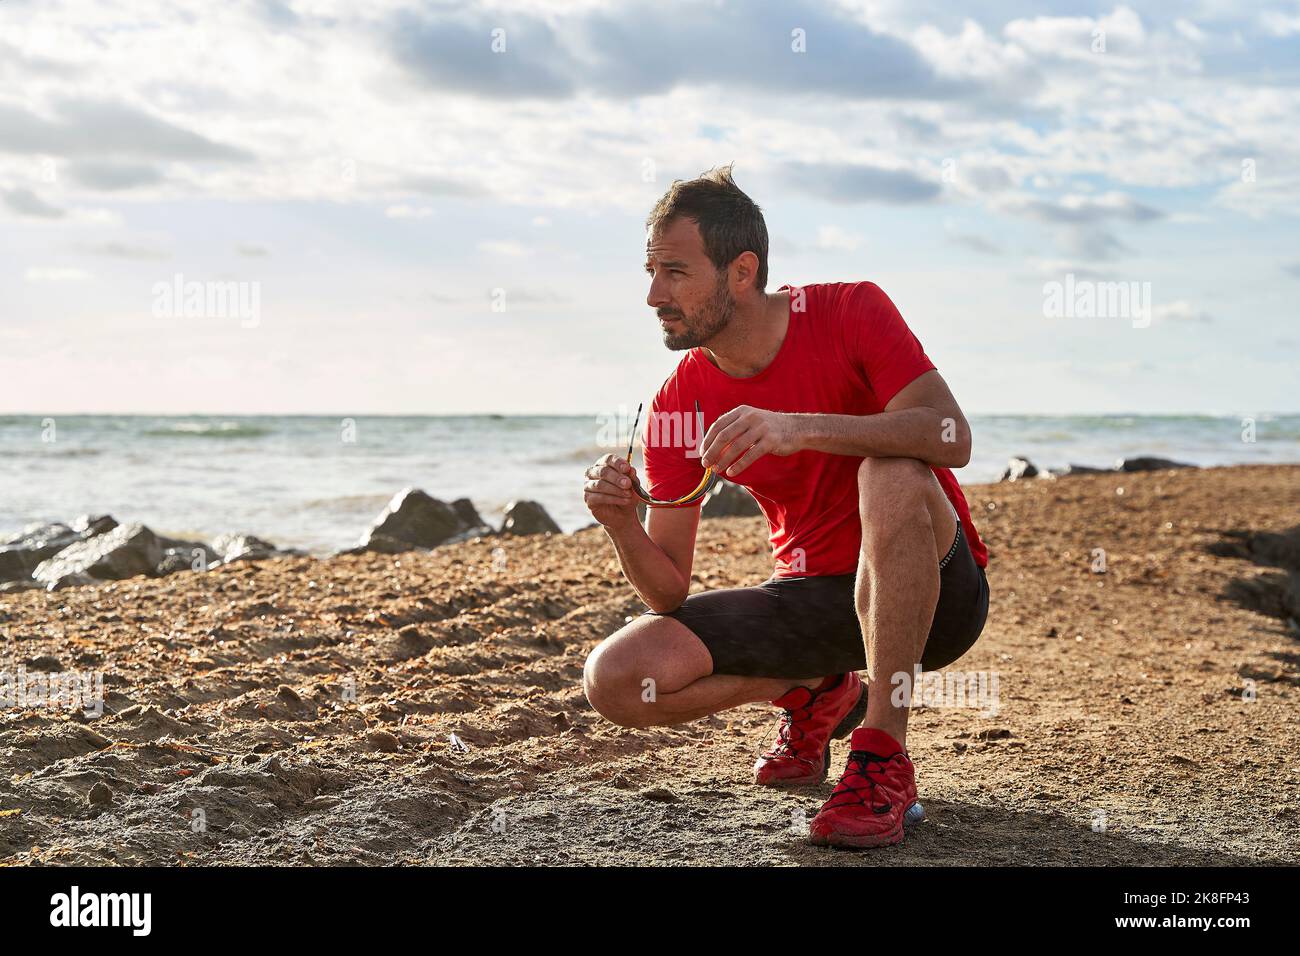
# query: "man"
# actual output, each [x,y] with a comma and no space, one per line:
[822,403]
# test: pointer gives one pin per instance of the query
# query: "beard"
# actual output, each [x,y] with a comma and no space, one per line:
[712,317]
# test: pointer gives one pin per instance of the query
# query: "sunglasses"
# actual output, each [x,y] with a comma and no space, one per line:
[702,489]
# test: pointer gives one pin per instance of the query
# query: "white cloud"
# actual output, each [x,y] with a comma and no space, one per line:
[55,274]
[835,239]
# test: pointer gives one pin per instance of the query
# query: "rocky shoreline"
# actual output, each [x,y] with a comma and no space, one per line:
[95,549]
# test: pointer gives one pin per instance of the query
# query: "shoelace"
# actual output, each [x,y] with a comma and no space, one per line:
[862,765]
[784,744]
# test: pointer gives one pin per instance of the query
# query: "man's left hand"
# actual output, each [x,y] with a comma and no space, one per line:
[743,435]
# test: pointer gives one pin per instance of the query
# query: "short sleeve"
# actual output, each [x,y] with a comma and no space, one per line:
[879,343]
[669,445]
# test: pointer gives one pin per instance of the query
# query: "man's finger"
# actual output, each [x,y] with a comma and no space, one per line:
[725,436]
[756,451]
[721,422]
[728,456]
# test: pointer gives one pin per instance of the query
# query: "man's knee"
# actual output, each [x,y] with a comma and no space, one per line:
[613,679]
[893,489]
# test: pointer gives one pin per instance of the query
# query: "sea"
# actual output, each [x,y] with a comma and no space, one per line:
[317,482]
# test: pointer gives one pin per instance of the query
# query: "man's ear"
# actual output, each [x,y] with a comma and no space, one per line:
[744,272]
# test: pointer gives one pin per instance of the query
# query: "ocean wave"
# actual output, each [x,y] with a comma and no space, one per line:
[208,430]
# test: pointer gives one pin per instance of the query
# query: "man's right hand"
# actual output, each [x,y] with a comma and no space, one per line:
[608,492]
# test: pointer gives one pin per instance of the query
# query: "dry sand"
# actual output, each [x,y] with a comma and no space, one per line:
[228,693]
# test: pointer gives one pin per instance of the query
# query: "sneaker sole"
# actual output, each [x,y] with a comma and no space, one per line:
[842,730]
[911,817]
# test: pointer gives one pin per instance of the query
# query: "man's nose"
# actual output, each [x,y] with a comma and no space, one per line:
[658,295]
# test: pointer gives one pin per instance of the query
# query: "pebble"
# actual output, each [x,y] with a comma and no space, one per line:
[100,795]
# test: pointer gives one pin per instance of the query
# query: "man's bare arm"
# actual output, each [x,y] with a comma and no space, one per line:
[656,559]
[922,421]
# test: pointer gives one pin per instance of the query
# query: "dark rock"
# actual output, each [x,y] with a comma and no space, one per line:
[468,514]
[181,555]
[245,547]
[21,554]
[88,526]
[1074,470]
[100,795]
[1147,463]
[124,552]
[528,517]
[413,519]
[1018,468]
[728,500]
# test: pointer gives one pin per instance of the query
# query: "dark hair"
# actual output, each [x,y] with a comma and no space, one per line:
[729,221]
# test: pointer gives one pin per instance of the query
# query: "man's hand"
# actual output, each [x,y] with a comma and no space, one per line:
[608,491]
[743,435]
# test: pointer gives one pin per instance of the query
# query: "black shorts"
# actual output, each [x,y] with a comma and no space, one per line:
[800,627]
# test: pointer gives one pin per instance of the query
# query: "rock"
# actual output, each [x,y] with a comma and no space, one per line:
[467,513]
[12,587]
[660,795]
[244,547]
[413,519]
[384,741]
[728,500]
[1147,463]
[1018,468]
[181,555]
[1073,470]
[88,526]
[21,554]
[100,795]
[124,552]
[528,517]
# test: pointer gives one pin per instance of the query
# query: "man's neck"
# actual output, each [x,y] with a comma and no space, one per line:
[752,339]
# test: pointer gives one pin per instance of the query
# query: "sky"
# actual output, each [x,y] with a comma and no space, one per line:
[395,207]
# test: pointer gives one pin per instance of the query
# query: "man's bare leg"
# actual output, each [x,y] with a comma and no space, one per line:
[908,526]
[656,672]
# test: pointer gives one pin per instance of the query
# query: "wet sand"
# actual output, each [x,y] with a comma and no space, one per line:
[301,711]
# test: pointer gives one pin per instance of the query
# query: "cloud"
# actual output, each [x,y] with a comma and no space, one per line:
[505,57]
[109,177]
[113,249]
[433,184]
[403,211]
[56,275]
[98,128]
[27,203]
[503,247]
[1292,268]
[1081,209]
[1180,311]
[835,239]
[849,183]
[980,244]
[252,250]
[621,53]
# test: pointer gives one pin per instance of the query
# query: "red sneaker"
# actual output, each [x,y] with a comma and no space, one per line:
[802,752]
[874,799]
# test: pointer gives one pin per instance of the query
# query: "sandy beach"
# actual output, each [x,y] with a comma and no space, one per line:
[426,708]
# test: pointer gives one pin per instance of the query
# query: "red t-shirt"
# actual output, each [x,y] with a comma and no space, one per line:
[847,353]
